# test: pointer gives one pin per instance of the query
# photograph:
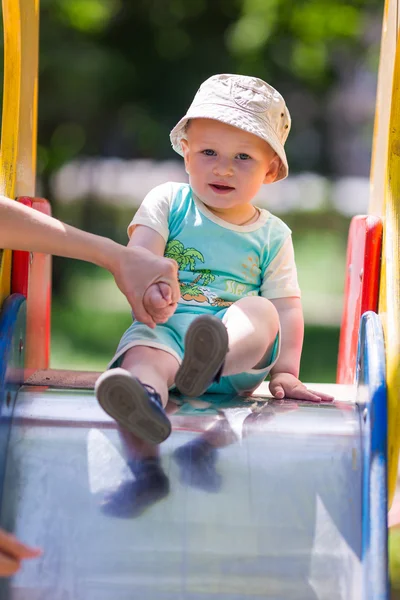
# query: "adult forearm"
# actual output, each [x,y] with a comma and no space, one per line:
[134,268]
[22,228]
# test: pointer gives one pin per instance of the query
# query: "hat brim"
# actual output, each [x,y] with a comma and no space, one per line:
[236,118]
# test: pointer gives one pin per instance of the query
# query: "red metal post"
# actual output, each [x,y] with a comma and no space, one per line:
[361,288]
[31,276]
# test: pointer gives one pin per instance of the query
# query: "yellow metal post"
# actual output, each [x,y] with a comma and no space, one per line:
[390,286]
[382,112]
[19,116]
[10,119]
[25,183]
[385,202]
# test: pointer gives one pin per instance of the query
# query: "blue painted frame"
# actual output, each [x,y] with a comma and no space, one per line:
[372,401]
[12,341]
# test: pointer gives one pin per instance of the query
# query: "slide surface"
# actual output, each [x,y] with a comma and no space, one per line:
[274,512]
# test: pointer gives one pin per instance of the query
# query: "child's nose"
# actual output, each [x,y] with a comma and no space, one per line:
[223,167]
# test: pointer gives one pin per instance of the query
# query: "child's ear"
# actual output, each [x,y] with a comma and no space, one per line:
[273,170]
[185,150]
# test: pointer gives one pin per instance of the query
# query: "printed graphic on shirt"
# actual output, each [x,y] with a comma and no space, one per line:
[197,290]
[251,270]
[239,289]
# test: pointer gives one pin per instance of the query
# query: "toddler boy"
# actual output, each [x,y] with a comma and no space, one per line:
[239,317]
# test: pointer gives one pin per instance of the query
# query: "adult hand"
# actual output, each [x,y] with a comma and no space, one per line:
[12,553]
[135,269]
[286,385]
[158,303]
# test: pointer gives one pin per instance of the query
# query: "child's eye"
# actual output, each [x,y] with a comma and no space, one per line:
[209,152]
[243,156]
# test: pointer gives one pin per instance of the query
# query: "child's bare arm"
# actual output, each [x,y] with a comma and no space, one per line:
[148,238]
[285,373]
[292,327]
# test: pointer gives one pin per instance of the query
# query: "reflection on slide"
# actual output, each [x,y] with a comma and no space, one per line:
[245,500]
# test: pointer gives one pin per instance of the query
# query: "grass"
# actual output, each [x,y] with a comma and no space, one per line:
[86,339]
[394,563]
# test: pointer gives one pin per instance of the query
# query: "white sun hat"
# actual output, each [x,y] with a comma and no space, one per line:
[245,102]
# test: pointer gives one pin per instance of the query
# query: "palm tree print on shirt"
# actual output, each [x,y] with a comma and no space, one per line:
[185,257]
[197,290]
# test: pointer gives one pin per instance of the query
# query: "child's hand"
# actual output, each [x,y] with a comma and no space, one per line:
[286,385]
[157,301]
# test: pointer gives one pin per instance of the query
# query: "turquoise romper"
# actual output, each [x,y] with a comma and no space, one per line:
[219,263]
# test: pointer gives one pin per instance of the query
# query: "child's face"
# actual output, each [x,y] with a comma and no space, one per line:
[226,165]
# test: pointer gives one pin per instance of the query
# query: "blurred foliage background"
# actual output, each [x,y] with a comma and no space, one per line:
[116,75]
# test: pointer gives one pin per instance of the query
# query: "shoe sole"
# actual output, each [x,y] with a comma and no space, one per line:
[206,345]
[125,400]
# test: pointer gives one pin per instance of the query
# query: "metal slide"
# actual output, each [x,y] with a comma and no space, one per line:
[280,511]
[282,520]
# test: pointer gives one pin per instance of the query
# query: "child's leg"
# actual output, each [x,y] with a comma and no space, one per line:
[252,324]
[135,395]
[242,341]
[153,367]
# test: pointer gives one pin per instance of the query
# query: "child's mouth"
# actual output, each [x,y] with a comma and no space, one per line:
[219,188]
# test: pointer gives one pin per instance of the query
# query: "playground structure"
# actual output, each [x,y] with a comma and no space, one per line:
[301,509]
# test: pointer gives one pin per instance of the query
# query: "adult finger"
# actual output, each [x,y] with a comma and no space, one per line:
[135,300]
[170,269]
[8,565]
[162,315]
[13,547]
[140,313]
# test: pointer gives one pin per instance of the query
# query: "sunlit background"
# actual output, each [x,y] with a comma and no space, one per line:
[115,77]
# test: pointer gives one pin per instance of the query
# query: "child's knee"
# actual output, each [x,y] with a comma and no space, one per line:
[261,312]
[138,353]
[147,355]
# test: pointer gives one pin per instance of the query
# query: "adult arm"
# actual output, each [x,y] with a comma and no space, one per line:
[134,268]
